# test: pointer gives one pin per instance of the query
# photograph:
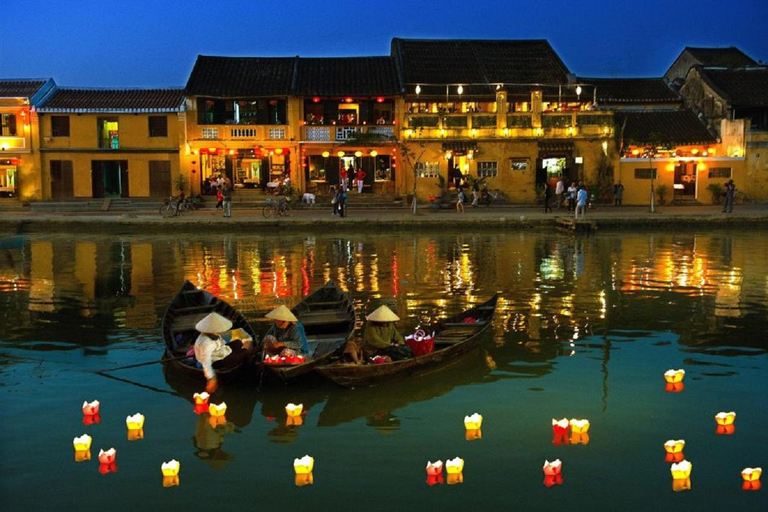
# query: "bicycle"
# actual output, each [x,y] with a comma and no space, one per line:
[495,196]
[170,208]
[276,208]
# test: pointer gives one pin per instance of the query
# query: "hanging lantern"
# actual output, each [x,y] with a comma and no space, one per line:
[293,410]
[681,470]
[673,376]
[217,410]
[460,89]
[170,468]
[379,99]
[326,154]
[303,465]
[316,99]
[358,154]
[374,153]
[674,449]
[418,90]
[279,151]
[454,466]
[340,154]
[91,409]
[135,422]
[751,478]
[473,421]
[348,100]
[302,479]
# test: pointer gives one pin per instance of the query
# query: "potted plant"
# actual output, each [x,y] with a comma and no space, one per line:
[717,192]
[661,191]
[180,183]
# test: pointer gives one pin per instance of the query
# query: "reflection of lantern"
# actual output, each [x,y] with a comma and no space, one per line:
[681,470]
[673,376]
[579,426]
[434,468]
[577,438]
[303,465]
[171,481]
[217,421]
[751,478]
[435,479]
[134,434]
[135,422]
[552,473]
[681,484]
[82,455]
[473,422]
[453,466]
[472,434]
[294,421]
[218,410]
[201,408]
[91,419]
[201,398]
[91,409]
[560,431]
[455,478]
[293,410]
[170,468]
[674,387]
[303,479]
[674,449]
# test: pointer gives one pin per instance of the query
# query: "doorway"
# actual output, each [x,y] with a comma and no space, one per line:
[109,178]
[685,180]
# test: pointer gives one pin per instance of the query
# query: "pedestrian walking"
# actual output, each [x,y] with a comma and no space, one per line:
[219,198]
[460,200]
[360,177]
[572,191]
[581,202]
[547,197]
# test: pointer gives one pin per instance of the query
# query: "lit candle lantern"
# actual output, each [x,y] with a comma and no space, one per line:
[560,431]
[681,484]
[217,410]
[135,422]
[453,466]
[294,421]
[472,434]
[303,465]
[201,398]
[90,409]
[455,478]
[434,468]
[135,434]
[171,481]
[170,468]
[107,461]
[674,387]
[553,473]
[681,470]
[751,478]
[725,418]
[473,422]
[674,449]
[579,426]
[82,443]
[91,419]
[302,479]
[293,410]
[673,376]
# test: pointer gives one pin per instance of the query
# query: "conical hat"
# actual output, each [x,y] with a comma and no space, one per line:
[213,323]
[282,313]
[383,314]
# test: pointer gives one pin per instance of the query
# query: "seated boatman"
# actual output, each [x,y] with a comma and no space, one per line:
[286,337]
[212,352]
[380,337]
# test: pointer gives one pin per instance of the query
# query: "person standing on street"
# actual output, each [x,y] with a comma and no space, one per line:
[359,178]
[730,193]
[547,197]
[581,202]
[559,191]
[226,196]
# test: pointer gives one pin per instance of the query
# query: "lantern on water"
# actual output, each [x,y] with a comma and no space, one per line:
[454,466]
[674,387]
[751,478]
[579,426]
[725,418]
[553,473]
[303,465]
[171,481]
[294,421]
[681,470]
[455,478]
[91,409]
[681,484]
[302,479]
[472,434]
[674,449]
[673,376]
[293,410]
[434,468]
[201,398]
[170,468]
[218,410]
[473,421]
[107,462]
[135,422]
[560,431]
[82,443]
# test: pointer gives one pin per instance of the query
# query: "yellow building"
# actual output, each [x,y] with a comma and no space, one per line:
[19,155]
[110,143]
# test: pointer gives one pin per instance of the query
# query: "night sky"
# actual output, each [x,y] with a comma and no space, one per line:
[154,43]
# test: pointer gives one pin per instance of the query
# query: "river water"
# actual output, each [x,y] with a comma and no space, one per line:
[585,328]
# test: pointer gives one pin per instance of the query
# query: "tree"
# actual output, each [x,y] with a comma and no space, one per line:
[411,158]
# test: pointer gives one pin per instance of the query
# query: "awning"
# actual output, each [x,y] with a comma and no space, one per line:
[556,145]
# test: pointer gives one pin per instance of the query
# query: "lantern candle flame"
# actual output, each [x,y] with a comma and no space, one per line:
[681,470]
[303,465]
[218,410]
[170,468]
[473,421]
[135,422]
[293,410]
[454,466]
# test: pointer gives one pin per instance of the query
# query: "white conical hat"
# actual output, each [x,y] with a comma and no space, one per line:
[282,313]
[213,323]
[383,314]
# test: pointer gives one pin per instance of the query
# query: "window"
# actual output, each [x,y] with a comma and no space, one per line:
[427,169]
[518,164]
[317,165]
[8,125]
[158,126]
[60,126]
[108,133]
[645,173]
[487,169]
[218,111]
[720,172]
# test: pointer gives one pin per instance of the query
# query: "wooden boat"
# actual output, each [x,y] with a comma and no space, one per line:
[188,307]
[328,316]
[454,337]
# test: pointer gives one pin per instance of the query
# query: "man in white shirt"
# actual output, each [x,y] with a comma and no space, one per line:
[559,190]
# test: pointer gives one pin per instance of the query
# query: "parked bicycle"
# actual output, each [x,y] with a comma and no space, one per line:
[495,196]
[277,207]
[174,206]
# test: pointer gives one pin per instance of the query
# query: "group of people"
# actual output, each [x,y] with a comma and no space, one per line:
[286,338]
[358,176]
[338,200]
[575,197]
[222,187]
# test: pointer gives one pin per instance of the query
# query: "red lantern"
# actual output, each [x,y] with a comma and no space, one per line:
[316,99]
[379,99]
[349,100]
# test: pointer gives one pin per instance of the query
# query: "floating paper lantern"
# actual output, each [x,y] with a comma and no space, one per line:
[434,468]
[303,465]
[580,438]
[82,455]
[553,468]
[674,387]
[135,434]
[674,449]
[725,418]
[201,398]
[472,434]
[294,421]
[107,462]
[92,408]
[560,431]
[453,466]
[681,470]
[473,422]
[681,484]
[455,478]
[673,376]
[82,443]
[302,479]
[579,426]
[171,481]
[751,478]
[217,410]
[293,410]
[135,422]
[170,468]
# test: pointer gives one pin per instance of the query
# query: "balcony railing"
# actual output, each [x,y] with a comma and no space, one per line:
[239,132]
[336,133]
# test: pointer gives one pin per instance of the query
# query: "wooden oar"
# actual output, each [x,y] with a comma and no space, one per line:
[165,360]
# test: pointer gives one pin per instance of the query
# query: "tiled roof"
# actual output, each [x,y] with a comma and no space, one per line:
[721,57]
[674,126]
[631,90]
[745,87]
[354,76]
[241,76]
[113,100]
[491,62]
[14,88]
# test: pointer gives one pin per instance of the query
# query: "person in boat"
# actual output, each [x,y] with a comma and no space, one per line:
[286,336]
[380,338]
[212,352]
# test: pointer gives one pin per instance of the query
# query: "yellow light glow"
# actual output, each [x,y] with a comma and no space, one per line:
[135,422]
[473,421]
[671,167]
[374,153]
[303,465]
[681,470]
[674,445]
[170,468]
[82,443]
[358,154]
[340,154]
[725,418]
[635,152]
[674,376]
[217,410]
[326,154]
[454,466]
[294,410]
[579,426]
